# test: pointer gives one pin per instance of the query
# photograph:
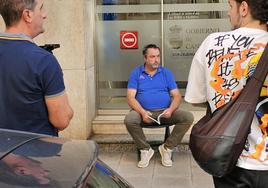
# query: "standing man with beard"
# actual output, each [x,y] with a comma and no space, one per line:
[32,91]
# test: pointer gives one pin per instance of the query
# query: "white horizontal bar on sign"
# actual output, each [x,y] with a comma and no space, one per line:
[201,7]
[128,8]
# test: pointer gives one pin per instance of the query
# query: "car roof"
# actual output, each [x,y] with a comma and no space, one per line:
[66,162]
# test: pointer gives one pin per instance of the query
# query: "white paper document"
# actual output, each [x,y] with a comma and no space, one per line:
[158,118]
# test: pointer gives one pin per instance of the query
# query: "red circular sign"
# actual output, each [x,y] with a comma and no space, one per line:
[129,40]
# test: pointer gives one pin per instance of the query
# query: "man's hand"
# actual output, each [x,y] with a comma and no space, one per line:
[134,104]
[167,113]
[145,117]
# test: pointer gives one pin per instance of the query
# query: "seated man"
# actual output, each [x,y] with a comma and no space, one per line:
[152,90]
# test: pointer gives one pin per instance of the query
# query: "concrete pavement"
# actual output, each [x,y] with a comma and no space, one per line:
[184,173]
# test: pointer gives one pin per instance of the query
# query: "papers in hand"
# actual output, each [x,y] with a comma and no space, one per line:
[158,118]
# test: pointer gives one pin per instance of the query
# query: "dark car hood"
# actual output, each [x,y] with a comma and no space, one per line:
[65,161]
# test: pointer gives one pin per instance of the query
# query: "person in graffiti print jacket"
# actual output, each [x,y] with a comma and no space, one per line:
[220,69]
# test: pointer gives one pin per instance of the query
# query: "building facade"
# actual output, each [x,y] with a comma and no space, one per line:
[102,40]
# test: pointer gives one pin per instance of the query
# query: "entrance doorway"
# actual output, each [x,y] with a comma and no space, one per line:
[123,27]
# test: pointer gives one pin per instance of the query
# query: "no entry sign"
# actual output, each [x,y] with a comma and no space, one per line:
[128,39]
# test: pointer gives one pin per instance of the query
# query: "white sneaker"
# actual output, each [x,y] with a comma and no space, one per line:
[165,155]
[146,155]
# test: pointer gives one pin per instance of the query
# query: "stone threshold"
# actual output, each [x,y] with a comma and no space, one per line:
[123,142]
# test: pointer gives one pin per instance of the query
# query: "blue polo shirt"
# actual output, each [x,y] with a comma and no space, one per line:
[28,74]
[152,92]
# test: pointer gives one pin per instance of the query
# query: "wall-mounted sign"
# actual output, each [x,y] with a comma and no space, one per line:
[128,39]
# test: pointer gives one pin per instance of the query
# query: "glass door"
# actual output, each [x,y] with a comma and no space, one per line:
[186,24]
[123,27]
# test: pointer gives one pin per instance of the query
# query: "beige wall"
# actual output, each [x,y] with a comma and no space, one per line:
[71,24]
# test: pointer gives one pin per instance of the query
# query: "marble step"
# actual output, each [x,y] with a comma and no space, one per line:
[124,142]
